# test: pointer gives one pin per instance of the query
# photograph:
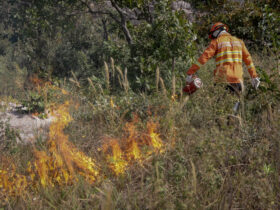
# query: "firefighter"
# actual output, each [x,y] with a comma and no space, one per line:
[229,52]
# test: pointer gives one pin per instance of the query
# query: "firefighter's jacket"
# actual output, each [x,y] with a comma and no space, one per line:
[229,52]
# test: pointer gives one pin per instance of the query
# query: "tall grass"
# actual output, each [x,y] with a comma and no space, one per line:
[209,163]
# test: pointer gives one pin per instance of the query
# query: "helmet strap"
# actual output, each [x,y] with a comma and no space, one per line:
[217,32]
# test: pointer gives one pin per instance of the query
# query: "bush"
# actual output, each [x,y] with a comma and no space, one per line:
[35,103]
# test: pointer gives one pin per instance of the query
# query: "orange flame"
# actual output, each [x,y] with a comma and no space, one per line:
[112,103]
[155,140]
[116,160]
[59,165]
[133,151]
[34,79]
[11,184]
[64,160]
[39,83]
[119,159]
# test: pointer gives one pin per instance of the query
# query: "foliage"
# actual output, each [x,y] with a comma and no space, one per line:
[54,39]
[268,94]
[169,36]
[40,100]
[250,20]
[35,103]
[9,137]
[161,42]
[54,43]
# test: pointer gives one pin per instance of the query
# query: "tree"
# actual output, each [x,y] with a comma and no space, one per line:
[64,35]
[169,37]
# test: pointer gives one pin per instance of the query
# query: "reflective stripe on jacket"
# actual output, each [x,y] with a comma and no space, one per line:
[229,52]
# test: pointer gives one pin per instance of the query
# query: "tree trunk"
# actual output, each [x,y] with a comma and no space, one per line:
[173,66]
[126,32]
[173,78]
[105,35]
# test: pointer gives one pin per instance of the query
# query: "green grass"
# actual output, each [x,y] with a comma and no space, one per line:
[208,164]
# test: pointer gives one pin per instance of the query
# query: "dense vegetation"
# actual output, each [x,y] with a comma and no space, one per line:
[124,58]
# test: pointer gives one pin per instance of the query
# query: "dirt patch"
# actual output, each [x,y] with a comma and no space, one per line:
[29,127]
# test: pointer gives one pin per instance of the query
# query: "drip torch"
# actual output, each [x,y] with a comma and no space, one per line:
[193,86]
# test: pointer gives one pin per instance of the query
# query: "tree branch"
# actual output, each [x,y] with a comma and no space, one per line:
[99,12]
[123,16]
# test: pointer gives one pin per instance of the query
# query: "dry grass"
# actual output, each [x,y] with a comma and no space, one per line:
[157,78]
[208,163]
[107,75]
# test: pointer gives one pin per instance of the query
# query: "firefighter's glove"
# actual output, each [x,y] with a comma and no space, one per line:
[189,79]
[256,82]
